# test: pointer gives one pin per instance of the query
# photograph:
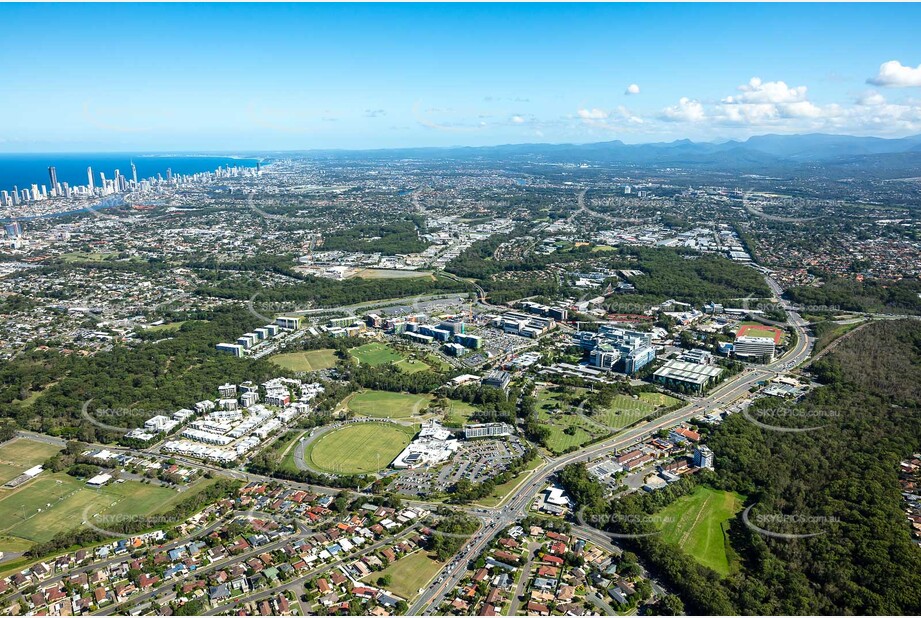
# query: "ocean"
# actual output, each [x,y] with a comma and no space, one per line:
[23,170]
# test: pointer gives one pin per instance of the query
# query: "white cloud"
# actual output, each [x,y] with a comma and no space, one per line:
[627,116]
[687,110]
[756,91]
[592,114]
[895,74]
[517,119]
[759,106]
[765,103]
[632,89]
[871,97]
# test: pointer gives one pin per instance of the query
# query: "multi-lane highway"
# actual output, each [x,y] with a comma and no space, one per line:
[516,505]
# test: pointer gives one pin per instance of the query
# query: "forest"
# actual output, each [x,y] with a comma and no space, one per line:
[841,477]
[386,238]
[838,294]
[136,382]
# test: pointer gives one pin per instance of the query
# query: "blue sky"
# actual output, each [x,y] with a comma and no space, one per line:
[239,76]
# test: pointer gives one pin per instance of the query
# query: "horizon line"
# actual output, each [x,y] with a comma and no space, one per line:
[452,147]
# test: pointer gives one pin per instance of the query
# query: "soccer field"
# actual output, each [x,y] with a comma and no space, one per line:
[20,454]
[375,353]
[697,523]
[311,360]
[384,404]
[359,448]
[55,503]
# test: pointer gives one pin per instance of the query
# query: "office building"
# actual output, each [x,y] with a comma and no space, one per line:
[635,348]
[487,430]
[288,323]
[474,342]
[497,379]
[691,376]
[53,176]
[13,230]
[233,348]
[703,457]
[455,349]
[754,347]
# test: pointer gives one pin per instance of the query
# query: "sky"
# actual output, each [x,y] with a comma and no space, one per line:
[235,77]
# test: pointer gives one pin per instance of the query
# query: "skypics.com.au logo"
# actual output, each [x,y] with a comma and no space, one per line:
[804,418]
[787,526]
[626,525]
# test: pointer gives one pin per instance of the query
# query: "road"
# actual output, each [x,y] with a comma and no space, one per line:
[517,506]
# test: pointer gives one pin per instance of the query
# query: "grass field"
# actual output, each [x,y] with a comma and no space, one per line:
[697,523]
[554,413]
[289,445]
[20,454]
[310,360]
[759,330]
[408,574]
[375,353]
[384,404]
[458,413]
[384,273]
[82,256]
[170,327]
[358,448]
[25,512]
[625,410]
[411,365]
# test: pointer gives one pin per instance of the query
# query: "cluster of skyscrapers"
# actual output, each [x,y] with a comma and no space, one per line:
[109,186]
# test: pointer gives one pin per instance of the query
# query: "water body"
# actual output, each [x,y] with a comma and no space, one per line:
[24,170]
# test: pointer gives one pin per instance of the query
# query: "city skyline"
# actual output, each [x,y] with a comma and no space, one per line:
[304,77]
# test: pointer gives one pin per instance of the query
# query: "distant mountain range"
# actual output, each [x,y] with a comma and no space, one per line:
[887,157]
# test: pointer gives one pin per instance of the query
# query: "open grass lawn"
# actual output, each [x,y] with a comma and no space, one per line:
[20,454]
[55,503]
[625,410]
[436,362]
[283,444]
[411,365]
[82,256]
[27,453]
[170,327]
[358,448]
[555,414]
[310,360]
[384,404]
[408,574]
[458,413]
[697,523]
[375,353]
[385,273]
